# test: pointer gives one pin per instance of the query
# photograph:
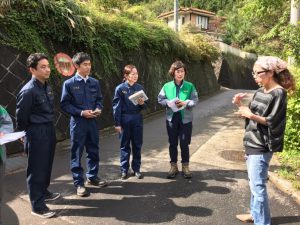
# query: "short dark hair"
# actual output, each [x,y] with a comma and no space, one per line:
[34,58]
[175,66]
[80,57]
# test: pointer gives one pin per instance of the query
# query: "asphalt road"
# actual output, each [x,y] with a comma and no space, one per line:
[216,193]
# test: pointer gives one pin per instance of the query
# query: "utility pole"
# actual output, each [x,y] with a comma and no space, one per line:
[176,6]
[295,12]
[294,20]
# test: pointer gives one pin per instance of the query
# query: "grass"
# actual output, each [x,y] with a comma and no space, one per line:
[290,167]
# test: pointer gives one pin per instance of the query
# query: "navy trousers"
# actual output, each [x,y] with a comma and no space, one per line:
[177,130]
[39,144]
[132,125]
[84,133]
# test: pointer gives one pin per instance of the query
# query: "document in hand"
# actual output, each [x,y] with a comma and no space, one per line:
[173,106]
[135,97]
[10,137]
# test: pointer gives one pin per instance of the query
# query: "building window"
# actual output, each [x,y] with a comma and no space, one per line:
[202,22]
[182,19]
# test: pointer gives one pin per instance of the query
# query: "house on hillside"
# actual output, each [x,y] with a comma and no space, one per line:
[198,21]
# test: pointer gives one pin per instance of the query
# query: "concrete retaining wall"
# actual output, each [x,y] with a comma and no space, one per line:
[236,68]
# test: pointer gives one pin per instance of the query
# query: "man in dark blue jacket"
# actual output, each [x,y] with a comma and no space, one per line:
[82,99]
[35,115]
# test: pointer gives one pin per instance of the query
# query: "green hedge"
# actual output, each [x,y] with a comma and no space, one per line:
[34,26]
[290,157]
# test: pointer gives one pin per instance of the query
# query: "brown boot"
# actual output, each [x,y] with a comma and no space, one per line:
[186,171]
[245,217]
[173,170]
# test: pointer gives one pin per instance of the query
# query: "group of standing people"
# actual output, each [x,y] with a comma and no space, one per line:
[82,100]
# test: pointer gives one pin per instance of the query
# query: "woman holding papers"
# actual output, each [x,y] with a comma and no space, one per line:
[128,102]
[6,126]
[179,97]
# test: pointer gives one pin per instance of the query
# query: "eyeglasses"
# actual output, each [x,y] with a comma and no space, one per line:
[258,73]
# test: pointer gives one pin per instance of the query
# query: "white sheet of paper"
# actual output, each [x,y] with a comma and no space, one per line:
[173,106]
[134,97]
[10,137]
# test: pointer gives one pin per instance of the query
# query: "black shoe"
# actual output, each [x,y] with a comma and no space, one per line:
[50,196]
[45,213]
[138,175]
[124,176]
[96,182]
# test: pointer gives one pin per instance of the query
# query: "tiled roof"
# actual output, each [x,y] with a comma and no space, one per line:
[188,10]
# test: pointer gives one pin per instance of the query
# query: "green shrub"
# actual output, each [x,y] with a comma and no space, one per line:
[199,47]
[290,35]
[290,157]
[292,140]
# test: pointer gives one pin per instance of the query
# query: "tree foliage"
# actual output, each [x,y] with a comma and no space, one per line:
[160,6]
[262,27]
[90,26]
[290,158]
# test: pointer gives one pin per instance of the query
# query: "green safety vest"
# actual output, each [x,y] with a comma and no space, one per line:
[184,93]
[3,113]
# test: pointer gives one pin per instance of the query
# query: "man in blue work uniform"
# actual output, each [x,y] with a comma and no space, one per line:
[82,99]
[35,115]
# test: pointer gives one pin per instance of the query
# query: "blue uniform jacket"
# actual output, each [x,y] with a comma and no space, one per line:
[35,104]
[78,95]
[121,103]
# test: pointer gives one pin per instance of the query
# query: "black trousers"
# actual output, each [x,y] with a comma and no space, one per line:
[40,144]
[177,130]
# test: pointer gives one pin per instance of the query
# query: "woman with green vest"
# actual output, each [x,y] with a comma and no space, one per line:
[179,97]
[6,126]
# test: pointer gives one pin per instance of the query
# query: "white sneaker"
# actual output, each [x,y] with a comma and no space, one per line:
[82,191]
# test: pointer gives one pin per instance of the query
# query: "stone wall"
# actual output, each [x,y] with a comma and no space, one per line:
[13,75]
[152,74]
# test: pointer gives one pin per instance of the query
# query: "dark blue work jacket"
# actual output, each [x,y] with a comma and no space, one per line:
[78,95]
[121,103]
[35,104]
